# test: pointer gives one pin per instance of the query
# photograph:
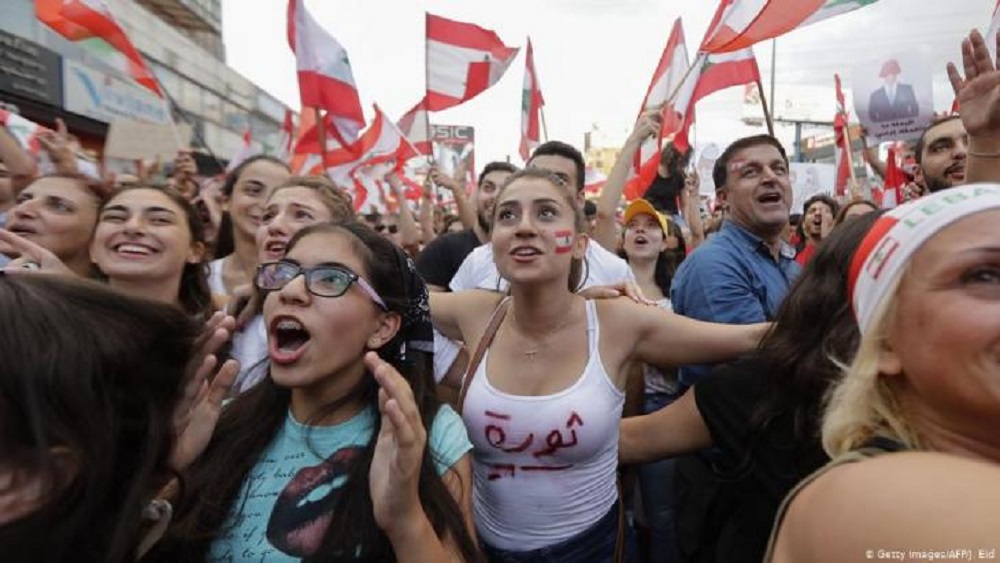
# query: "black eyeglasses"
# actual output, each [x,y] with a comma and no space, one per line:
[321,281]
[393,229]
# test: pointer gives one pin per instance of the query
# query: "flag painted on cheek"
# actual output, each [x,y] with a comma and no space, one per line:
[564,241]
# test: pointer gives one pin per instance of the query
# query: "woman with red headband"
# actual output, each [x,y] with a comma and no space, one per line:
[925,287]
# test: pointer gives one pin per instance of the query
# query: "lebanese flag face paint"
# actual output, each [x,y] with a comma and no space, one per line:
[564,241]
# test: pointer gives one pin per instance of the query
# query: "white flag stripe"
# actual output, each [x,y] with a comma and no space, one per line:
[447,75]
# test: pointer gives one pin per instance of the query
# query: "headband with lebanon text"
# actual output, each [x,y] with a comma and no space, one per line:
[897,235]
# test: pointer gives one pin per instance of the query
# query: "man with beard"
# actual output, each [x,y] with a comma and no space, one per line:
[438,262]
[941,153]
[817,222]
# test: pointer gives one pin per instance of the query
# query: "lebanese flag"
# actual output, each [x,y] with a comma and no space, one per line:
[81,20]
[414,124]
[895,179]
[24,131]
[738,24]
[245,152]
[382,142]
[840,124]
[712,72]
[531,106]
[308,140]
[463,60]
[666,80]
[593,181]
[325,77]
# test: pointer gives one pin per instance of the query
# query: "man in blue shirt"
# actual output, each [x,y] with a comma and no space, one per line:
[741,275]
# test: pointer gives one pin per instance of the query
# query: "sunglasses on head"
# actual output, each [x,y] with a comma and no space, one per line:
[393,229]
[321,281]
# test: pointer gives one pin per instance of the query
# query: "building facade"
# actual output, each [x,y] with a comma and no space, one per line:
[45,76]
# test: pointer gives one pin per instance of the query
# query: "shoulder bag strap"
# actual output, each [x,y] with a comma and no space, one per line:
[491,330]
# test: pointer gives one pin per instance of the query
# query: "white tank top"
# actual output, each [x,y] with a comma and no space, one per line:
[215,277]
[544,466]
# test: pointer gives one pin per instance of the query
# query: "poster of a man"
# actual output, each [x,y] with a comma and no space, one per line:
[893,96]
[894,100]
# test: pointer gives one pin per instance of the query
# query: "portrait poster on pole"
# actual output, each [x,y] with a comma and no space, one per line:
[893,97]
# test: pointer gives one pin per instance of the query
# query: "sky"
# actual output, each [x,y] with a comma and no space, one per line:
[594,59]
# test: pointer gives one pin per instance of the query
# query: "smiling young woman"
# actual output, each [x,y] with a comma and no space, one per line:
[149,242]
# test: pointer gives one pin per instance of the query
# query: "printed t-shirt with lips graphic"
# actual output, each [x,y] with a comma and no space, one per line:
[285,504]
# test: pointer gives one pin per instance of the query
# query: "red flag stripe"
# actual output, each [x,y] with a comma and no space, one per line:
[461,34]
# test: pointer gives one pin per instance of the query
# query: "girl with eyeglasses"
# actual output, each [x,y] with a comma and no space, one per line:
[342,452]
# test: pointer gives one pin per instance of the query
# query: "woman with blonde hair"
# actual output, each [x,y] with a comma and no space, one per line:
[925,287]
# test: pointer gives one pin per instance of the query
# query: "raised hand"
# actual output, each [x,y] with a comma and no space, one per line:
[59,146]
[978,93]
[198,411]
[399,451]
[646,126]
[30,256]
[443,180]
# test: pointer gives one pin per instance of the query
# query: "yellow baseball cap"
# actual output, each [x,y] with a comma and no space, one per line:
[640,207]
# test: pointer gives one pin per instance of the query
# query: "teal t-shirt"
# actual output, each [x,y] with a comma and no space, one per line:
[286,503]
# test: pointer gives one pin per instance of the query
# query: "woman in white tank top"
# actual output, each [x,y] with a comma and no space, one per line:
[543,407]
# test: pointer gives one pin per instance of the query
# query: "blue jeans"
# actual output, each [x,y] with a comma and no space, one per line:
[595,544]
[656,485]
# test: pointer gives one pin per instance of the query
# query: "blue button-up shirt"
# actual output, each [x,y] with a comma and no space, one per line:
[732,278]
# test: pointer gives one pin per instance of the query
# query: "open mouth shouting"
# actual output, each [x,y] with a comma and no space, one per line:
[304,509]
[287,341]
[274,248]
[770,199]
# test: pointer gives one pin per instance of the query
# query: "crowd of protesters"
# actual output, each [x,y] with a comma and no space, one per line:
[248,368]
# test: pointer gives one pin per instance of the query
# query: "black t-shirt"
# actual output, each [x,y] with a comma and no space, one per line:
[439,262]
[664,192]
[753,472]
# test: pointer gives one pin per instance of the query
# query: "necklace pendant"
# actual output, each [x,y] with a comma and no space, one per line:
[531,354]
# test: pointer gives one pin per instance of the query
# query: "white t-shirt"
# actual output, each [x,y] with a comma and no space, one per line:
[479,271]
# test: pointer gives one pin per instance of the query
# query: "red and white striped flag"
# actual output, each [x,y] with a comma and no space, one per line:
[531,107]
[325,77]
[24,131]
[745,22]
[666,80]
[245,152]
[892,195]
[382,142]
[463,60]
[414,124]
[712,73]
[82,21]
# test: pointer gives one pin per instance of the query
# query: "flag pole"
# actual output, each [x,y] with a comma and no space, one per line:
[774,59]
[545,130]
[321,131]
[680,84]
[850,158]
[767,112]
